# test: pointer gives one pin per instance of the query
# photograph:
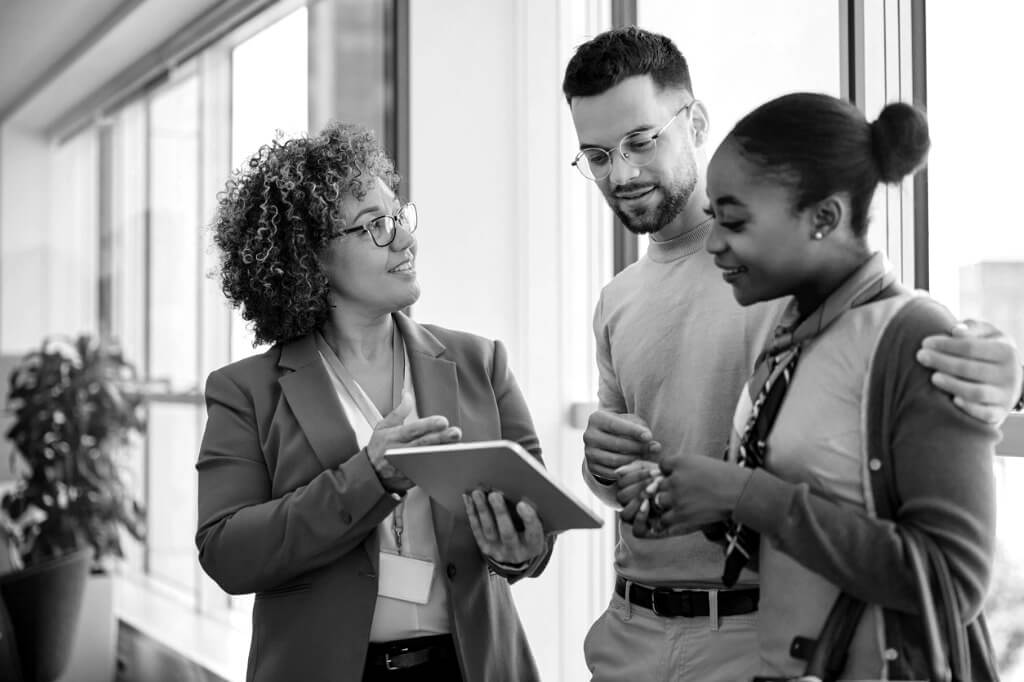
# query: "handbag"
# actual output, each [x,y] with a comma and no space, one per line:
[955,651]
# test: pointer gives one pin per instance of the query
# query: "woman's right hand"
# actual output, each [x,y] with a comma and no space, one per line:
[392,432]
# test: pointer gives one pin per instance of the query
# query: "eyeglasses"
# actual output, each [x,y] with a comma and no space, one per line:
[382,229]
[637,149]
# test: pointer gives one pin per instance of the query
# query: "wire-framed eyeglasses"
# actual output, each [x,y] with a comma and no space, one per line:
[382,229]
[637,149]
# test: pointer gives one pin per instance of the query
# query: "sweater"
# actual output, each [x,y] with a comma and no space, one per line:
[674,348]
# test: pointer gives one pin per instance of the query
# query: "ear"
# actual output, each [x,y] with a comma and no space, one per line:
[700,123]
[826,216]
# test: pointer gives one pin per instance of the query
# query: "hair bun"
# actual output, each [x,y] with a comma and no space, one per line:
[899,141]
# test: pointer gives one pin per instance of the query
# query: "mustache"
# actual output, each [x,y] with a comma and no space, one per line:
[630,189]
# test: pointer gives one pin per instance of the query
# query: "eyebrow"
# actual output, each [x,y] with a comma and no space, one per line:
[368,209]
[638,129]
[729,200]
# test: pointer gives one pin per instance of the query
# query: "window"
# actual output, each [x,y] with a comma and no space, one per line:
[975,245]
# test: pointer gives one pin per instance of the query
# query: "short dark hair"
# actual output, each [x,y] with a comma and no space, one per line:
[609,58]
[821,145]
[275,218]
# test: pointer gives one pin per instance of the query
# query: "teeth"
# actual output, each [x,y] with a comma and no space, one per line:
[404,267]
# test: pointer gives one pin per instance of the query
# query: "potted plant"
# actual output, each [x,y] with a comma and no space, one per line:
[76,404]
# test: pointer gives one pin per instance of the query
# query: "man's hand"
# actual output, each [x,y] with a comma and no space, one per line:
[696,490]
[392,432]
[612,440]
[495,532]
[978,365]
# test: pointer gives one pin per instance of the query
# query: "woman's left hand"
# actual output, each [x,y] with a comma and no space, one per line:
[495,531]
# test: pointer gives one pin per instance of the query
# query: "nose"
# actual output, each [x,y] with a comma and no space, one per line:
[621,172]
[715,242]
[404,239]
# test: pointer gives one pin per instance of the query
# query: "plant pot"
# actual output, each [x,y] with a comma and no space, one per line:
[43,604]
[93,655]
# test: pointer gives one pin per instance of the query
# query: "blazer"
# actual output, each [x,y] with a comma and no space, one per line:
[289,507]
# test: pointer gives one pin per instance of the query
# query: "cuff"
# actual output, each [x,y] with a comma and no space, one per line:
[764,502]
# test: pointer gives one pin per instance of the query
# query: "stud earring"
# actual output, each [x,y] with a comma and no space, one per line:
[819,235]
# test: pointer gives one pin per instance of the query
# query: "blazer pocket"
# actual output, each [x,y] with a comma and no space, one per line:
[285,590]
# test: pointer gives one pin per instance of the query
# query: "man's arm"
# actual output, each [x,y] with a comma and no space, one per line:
[979,365]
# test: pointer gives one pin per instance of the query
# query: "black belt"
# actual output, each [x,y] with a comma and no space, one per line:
[402,654]
[665,601]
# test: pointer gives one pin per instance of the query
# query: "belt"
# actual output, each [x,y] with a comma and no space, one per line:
[671,603]
[408,653]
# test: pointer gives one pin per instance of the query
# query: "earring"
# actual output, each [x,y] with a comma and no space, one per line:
[819,235]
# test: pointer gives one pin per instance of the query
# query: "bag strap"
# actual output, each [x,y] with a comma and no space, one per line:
[938,665]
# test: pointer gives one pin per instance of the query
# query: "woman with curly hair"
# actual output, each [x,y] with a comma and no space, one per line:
[357,575]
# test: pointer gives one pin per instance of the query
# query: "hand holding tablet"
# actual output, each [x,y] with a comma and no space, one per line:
[447,472]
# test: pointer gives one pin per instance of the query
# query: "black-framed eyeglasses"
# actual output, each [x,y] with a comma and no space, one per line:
[382,229]
[637,149]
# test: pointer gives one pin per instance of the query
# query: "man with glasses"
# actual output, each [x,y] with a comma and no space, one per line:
[674,350]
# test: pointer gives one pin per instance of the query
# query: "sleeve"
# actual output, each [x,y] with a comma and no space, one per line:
[249,541]
[609,397]
[516,425]
[941,474]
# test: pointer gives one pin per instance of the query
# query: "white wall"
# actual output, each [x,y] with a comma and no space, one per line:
[24,217]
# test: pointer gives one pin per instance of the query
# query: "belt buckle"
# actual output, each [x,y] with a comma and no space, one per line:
[388,665]
[685,608]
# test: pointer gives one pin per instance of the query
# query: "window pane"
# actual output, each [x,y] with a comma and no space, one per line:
[276,55]
[743,53]
[174,235]
[173,434]
[975,247]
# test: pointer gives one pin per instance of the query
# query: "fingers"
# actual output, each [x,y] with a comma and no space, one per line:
[533,529]
[396,416]
[617,432]
[452,434]
[969,391]
[419,428]
[990,414]
[603,463]
[994,348]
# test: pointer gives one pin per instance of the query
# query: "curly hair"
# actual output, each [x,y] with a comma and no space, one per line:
[277,214]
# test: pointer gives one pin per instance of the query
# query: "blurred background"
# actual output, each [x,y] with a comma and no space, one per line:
[120,121]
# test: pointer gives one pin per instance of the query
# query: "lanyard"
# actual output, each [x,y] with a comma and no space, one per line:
[366,407]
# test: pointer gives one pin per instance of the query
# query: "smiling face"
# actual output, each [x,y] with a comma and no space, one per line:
[374,279]
[652,197]
[764,246]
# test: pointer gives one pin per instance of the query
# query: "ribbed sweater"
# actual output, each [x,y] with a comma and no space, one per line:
[674,348]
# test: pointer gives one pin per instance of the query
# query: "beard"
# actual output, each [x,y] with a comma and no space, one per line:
[675,198]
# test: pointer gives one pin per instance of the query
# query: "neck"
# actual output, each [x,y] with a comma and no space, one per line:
[689,218]
[830,276]
[359,337]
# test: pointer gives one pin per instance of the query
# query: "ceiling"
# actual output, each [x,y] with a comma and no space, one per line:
[55,53]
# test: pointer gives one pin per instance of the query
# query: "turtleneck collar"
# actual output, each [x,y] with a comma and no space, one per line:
[682,246]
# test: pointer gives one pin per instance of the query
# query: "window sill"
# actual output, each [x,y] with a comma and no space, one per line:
[219,646]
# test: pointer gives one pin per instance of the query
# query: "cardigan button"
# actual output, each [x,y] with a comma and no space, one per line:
[874,464]
[891,654]
[450,571]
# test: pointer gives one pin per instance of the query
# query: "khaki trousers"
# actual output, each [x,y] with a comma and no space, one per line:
[632,644]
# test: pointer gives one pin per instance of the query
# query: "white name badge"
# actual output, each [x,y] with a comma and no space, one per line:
[404,577]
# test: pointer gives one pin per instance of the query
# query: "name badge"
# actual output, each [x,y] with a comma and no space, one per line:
[404,577]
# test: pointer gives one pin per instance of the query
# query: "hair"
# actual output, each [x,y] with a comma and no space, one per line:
[609,58]
[821,145]
[277,214]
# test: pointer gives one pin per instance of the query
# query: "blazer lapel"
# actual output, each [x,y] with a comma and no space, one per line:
[313,400]
[436,383]
[315,404]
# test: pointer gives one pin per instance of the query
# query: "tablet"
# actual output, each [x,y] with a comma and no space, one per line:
[445,472]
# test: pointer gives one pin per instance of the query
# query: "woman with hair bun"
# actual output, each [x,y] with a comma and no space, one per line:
[358,575]
[845,446]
